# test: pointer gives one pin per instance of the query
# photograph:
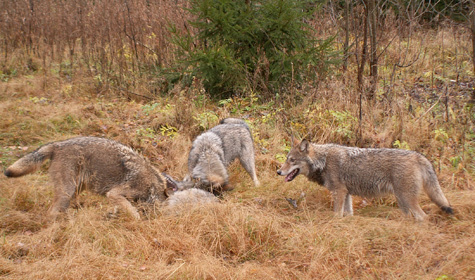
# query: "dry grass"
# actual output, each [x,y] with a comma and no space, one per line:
[254,233]
[245,237]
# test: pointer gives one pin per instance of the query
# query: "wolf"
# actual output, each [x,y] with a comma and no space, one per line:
[215,149]
[366,172]
[189,197]
[103,166]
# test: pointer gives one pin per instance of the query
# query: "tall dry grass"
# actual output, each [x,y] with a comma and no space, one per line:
[49,92]
[241,238]
[253,233]
[119,43]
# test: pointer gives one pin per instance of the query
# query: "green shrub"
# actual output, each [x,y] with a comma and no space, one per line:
[262,45]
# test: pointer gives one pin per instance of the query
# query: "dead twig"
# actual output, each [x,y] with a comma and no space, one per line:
[430,109]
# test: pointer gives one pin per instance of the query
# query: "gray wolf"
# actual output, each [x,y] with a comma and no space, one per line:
[189,197]
[347,171]
[100,165]
[215,149]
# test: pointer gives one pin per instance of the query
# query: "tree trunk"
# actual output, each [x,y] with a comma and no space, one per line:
[472,27]
[360,74]
[347,34]
[363,51]
[373,63]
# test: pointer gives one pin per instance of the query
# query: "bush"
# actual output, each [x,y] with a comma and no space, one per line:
[261,45]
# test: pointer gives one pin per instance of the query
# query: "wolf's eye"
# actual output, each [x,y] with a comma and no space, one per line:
[291,159]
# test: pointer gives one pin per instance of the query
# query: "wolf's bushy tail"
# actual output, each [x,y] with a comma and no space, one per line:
[433,190]
[232,121]
[236,121]
[30,162]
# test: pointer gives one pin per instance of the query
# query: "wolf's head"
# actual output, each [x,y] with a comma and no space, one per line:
[213,183]
[303,159]
[209,173]
[173,186]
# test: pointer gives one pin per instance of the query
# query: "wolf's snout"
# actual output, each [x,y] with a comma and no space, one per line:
[279,172]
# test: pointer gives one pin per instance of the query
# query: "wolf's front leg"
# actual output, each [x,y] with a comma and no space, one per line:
[117,196]
[248,162]
[348,211]
[340,197]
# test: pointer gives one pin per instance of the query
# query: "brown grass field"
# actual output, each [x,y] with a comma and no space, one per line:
[254,233]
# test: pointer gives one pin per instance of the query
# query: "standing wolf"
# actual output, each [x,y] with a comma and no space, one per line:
[103,166]
[215,149]
[347,171]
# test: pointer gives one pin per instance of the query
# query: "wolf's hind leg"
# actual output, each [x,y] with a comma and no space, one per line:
[409,204]
[117,196]
[65,187]
[61,200]
[417,212]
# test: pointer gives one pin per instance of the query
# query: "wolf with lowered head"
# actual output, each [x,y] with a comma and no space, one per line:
[366,172]
[215,149]
[100,165]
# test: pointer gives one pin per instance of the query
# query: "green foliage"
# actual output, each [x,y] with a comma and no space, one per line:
[7,74]
[441,135]
[145,132]
[282,157]
[429,11]
[68,123]
[344,122]
[455,161]
[41,100]
[401,145]
[454,9]
[316,119]
[207,119]
[157,108]
[168,130]
[444,277]
[470,151]
[149,108]
[248,104]
[256,44]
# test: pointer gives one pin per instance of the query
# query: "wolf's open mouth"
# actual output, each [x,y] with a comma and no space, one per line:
[171,184]
[292,175]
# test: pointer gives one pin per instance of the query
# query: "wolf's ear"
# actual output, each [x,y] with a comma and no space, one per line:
[304,146]
[295,143]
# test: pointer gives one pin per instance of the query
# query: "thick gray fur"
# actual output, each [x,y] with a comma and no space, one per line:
[215,149]
[100,165]
[347,171]
[192,196]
